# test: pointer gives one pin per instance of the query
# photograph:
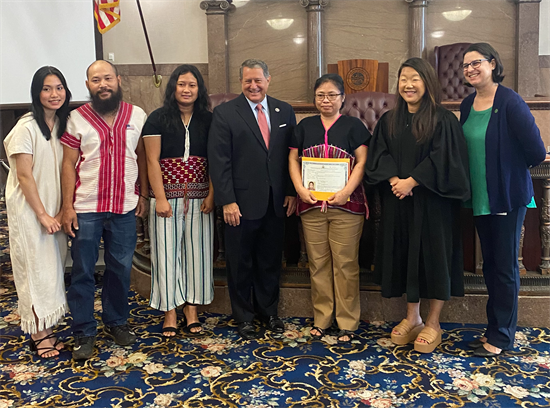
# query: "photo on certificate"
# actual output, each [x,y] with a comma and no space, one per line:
[324,177]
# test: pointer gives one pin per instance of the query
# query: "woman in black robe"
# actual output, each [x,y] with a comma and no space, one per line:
[418,157]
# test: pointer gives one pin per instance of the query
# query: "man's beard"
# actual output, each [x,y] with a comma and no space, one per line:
[104,106]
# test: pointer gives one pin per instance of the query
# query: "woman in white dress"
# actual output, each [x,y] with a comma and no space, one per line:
[33,198]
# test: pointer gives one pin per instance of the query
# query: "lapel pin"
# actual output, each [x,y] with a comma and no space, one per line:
[277,109]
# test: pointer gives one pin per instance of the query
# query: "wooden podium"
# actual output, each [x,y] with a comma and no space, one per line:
[362,75]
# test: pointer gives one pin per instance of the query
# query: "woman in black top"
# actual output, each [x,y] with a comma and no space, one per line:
[181,218]
[332,227]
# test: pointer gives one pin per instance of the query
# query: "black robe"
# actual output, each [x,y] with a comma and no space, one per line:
[419,247]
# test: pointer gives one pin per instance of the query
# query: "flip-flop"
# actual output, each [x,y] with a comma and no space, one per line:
[432,338]
[169,329]
[408,333]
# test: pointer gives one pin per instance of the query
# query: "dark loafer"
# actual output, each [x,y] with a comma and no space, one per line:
[247,331]
[483,352]
[274,324]
[477,343]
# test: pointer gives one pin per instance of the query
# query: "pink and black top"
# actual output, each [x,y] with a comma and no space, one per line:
[340,141]
[184,174]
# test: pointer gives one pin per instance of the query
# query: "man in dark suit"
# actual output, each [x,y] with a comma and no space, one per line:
[248,148]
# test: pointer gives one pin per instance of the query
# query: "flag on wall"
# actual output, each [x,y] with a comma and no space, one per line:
[107,14]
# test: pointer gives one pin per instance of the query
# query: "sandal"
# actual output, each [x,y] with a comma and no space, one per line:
[188,329]
[319,330]
[432,338]
[171,330]
[408,333]
[347,333]
[35,346]
[57,341]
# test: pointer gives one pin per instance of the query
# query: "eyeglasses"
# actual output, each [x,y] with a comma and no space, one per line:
[331,97]
[474,64]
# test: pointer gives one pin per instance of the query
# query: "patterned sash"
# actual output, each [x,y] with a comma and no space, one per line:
[184,179]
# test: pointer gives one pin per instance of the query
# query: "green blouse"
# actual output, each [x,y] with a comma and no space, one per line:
[475,129]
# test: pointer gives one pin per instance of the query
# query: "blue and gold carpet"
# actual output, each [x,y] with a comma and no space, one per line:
[289,370]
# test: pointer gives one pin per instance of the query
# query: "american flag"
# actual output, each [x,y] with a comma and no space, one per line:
[107,14]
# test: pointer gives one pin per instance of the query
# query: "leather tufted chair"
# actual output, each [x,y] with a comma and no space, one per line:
[447,66]
[218,99]
[368,106]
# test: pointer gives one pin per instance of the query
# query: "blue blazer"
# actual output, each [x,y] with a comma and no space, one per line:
[512,145]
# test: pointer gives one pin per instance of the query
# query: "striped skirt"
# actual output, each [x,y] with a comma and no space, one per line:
[182,249]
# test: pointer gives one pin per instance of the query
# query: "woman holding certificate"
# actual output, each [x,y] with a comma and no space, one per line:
[326,161]
[418,156]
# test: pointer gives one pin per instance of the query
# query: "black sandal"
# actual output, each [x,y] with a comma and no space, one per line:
[169,329]
[57,341]
[190,326]
[319,330]
[187,327]
[35,346]
[343,333]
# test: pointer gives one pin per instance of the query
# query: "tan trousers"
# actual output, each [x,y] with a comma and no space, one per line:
[332,242]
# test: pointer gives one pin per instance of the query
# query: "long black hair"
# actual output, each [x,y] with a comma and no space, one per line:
[171,113]
[425,118]
[36,106]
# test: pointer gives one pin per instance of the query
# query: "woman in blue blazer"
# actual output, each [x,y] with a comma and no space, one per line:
[503,143]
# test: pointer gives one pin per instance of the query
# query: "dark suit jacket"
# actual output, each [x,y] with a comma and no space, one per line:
[242,169]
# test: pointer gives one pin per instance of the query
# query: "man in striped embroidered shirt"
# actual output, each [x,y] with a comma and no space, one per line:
[102,159]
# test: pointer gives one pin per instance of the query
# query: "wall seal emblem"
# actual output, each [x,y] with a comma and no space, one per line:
[358,79]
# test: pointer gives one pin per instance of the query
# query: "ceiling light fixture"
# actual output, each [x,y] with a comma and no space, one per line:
[456,15]
[280,23]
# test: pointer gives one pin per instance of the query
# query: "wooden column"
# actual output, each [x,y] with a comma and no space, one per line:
[544,266]
[316,65]
[542,171]
[417,27]
[527,46]
[522,269]
[218,52]
[478,257]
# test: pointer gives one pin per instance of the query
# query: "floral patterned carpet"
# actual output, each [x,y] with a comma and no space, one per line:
[289,370]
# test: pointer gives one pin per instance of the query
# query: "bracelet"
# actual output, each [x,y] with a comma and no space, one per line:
[141,195]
